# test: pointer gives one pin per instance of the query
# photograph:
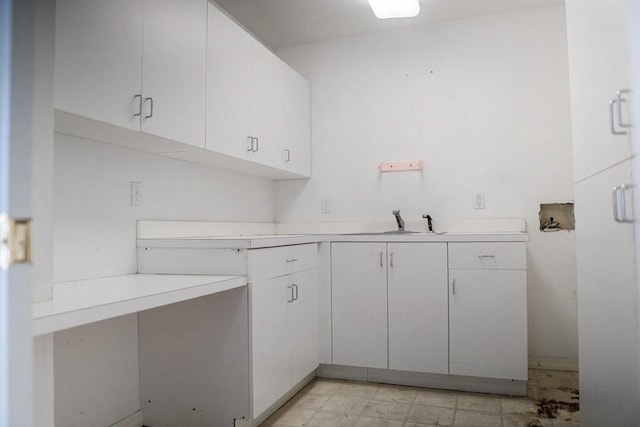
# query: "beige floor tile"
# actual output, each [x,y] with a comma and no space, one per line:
[347,404]
[395,394]
[377,422]
[564,423]
[290,416]
[360,389]
[431,415]
[323,386]
[418,425]
[445,399]
[386,410]
[332,419]
[309,400]
[525,420]
[522,405]
[464,418]
[478,402]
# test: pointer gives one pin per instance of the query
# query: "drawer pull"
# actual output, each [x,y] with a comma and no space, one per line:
[486,256]
[453,287]
[292,299]
[295,290]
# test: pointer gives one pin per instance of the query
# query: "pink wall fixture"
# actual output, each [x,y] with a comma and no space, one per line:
[400,166]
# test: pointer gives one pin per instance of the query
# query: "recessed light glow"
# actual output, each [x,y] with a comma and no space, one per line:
[385,9]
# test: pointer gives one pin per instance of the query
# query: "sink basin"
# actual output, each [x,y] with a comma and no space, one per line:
[394,233]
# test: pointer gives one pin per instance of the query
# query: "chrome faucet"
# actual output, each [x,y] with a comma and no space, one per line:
[399,220]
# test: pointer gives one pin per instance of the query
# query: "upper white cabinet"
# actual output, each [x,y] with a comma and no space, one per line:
[98,59]
[137,64]
[599,68]
[296,122]
[258,108]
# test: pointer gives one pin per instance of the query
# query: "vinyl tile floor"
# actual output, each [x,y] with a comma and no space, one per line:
[552,400]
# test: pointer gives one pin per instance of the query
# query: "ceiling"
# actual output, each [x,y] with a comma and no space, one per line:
[283,23]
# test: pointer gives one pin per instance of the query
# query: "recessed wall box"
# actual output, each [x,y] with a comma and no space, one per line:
[556,217]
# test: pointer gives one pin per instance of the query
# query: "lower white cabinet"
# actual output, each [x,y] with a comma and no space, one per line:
[284,334]
[488,310]
[389,306]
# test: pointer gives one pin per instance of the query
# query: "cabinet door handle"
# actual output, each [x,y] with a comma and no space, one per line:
[381,264]
[288,158]
[620,100]
[453,287]
[150,108]
[139,96]
[257,144]
[619,193]
[250,143]
[486,256]
[612,124]
[290,288]
[391,259]
[295,290]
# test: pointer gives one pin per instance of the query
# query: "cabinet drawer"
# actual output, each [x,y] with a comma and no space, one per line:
[488,256]
[274,262]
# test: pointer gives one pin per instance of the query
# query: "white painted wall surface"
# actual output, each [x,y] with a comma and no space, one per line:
[95,236]
[484,103]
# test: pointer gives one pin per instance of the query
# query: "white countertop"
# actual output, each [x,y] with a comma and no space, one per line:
[85,301]
[271,240]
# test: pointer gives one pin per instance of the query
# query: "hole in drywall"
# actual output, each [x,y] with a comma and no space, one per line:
[556,217]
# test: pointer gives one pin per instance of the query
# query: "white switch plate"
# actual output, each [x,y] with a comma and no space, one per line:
[325,206]
[478,201]
[136,193]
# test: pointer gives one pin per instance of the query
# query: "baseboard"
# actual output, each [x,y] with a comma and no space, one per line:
[554,363]
[133,420]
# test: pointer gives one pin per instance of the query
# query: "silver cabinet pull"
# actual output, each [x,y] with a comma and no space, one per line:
[295,289]
[257,144]
[288,158]
[486,256]
[453,287]
[620,99]
[619,193]
[391,259]
[139,97]
[612,124]
[150,108]
[290,300]
[381,264]
[250,143]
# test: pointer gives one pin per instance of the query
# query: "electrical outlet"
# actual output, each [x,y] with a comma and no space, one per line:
[478,201]
[136,193]
[325,206]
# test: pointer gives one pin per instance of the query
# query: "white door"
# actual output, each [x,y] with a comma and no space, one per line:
[607,302]
[174,69]
[270,375]
[359,304]
[98,59]
[15,201]
[488,323]
[228,86]
[296,122]
[266,105]
[303,325]
[418,309]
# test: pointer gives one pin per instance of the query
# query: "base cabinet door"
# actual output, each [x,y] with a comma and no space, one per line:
[359,304]
[418,314]
[269,336]
[488,323]
[303,325]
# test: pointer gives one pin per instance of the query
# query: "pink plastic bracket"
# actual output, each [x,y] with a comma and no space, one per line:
[400,166]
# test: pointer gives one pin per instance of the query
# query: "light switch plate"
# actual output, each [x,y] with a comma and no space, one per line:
[325,206]
[136,193]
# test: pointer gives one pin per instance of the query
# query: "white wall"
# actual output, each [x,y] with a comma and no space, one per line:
[484,103]
[96,366]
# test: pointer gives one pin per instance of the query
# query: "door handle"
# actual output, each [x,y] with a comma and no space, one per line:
[139,96]
[453,287]
[290,288]
[257,147]
[620,99]
[150,108]
[612,124]
[295,290]
[619,198]
[381,264]
[288,158]
[391,259]
[250,143]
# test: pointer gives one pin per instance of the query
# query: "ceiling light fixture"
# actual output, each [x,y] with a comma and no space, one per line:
[385,9]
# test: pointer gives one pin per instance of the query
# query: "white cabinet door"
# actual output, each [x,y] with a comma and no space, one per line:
[174,69]
[598,64]
[270,375]
[98,59]
[296,122]
[266,106]
[607,303]
[228,86]
[488,323]
[303,325]
[418,312]
[359,304]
